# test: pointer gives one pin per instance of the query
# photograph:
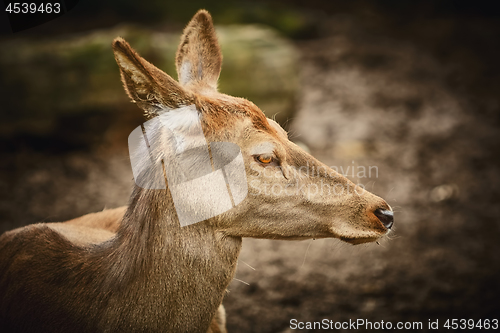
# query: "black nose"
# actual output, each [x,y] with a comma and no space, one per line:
[386,217]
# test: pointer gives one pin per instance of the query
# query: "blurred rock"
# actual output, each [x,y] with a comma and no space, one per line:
[444,192]
[260,65]
[43,81]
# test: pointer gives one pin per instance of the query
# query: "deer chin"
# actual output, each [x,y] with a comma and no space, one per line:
[356,237]
[357,241]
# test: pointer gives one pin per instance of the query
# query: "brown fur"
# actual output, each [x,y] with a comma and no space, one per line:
[135,269]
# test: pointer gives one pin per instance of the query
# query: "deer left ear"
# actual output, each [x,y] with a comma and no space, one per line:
[199,58]
[149,87]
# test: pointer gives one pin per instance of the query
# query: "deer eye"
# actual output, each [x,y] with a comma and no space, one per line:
[264,159]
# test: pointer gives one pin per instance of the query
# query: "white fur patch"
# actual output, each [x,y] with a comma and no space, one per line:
[262,148]
[184,122]
[185,73]
[171,133]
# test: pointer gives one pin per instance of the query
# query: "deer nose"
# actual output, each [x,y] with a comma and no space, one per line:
[385,216]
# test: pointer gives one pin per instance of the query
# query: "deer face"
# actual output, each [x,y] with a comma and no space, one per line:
[291,195]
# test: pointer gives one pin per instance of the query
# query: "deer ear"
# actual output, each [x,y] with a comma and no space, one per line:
[199,58]
[149,87]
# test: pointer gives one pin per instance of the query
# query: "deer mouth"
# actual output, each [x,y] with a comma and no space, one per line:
[356,241]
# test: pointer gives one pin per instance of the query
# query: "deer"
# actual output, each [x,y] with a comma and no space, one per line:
[135,268]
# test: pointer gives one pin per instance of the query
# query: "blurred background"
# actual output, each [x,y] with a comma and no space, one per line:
[409,87]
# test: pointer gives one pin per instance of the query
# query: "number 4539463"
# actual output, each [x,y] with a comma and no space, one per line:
[463,324]
[25,8]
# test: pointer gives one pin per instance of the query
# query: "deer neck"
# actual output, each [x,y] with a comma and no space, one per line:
[152,255]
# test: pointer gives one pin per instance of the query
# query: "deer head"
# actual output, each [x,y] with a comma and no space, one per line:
[291,195]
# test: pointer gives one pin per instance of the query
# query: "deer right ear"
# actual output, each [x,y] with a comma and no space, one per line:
[199,58]
[149,87]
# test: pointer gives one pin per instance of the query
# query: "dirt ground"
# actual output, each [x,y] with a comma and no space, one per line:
[423,111]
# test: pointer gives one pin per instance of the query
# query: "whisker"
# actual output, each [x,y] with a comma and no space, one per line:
[242,281]
[305,254]
[247,264]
